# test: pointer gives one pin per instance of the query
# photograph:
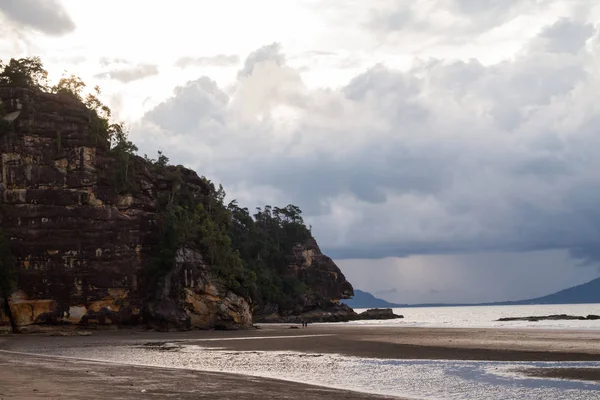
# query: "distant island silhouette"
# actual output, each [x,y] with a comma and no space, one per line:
[581,294]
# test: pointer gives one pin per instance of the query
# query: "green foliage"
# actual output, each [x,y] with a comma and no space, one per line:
[265,242]
[7,268]
[122,149]
[30,73]
[24,72]
[71,85]
[248,253]
[162,160]
[201,222]
[160,163]
[93,102]
[104,131]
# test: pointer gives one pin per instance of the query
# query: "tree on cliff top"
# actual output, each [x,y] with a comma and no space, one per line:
[29,73]
[265,241]
[24,72]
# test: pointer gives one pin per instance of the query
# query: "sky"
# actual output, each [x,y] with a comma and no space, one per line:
[442,150]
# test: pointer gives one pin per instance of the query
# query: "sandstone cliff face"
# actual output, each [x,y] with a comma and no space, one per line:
[206,302]
[326,284]
[320,272]
[79,245]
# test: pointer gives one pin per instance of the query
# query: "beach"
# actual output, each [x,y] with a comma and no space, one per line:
[124,363]
[33,377]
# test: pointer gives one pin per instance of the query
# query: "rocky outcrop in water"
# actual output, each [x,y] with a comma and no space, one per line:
[557,317]
[378,313]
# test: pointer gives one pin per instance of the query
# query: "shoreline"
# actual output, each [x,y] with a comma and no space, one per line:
[366,342]
[369,341]
[123,380]
[373,341]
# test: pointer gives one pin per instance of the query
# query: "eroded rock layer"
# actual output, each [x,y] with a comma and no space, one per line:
[327,286]
[80,245]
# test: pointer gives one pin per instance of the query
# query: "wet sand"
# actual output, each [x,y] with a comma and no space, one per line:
[426,343]
[28,377]
[581,374]
[58,378]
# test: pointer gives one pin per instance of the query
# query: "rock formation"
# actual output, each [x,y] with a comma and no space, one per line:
[557,317]
[378,313]
[309,264]
[80,246]
[328,286]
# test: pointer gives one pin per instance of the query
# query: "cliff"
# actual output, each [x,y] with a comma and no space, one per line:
[80,246]
[326,284]
[100,237]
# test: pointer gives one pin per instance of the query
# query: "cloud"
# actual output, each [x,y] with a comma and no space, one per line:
[72,59]
[203,96]
[452,21]
[130,74]
[266,54]
[47,16]
[468,278]
[446,157]
[106,61]
[220,60]
[565,36]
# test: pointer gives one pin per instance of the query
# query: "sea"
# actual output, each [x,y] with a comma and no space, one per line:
[487,316]
[412,379]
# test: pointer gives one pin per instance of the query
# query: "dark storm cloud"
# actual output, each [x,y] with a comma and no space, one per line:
[47,16]
[447,157]
[130,74]
[468,278]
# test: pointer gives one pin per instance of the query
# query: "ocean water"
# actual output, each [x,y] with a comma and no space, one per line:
[487,316]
